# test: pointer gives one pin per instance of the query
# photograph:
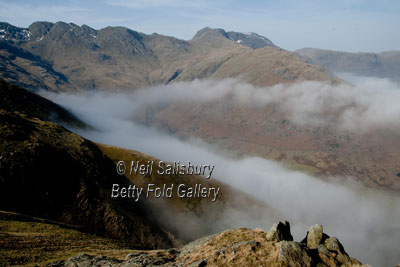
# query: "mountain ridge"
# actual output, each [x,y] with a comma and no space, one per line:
[118,58]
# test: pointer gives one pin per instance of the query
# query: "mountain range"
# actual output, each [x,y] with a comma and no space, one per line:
[67,57]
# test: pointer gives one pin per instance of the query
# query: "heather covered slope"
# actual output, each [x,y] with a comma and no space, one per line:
[14,98]
[49,172]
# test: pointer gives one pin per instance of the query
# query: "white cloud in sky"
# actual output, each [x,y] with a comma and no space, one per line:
[159,3]
[11,13]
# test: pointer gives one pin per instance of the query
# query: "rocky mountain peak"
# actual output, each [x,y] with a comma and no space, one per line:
[121,40]
[210,32]
[14,34]
[39,29]
[251,39]
[212,37]
[219,37]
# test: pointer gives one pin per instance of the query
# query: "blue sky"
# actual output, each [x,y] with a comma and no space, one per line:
[348,25]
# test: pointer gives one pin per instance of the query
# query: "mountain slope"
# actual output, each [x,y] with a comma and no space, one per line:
[246,129]
[33,241]
[14,98]
[251,39]
[47,171]
[22,68]
[382,65]
[270,65]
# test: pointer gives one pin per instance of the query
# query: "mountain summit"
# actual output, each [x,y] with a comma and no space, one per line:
[219,36]
[251,39]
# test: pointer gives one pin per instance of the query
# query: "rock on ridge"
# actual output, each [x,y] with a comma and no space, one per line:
[280,232]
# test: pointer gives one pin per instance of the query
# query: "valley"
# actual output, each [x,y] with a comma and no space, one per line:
[125,148]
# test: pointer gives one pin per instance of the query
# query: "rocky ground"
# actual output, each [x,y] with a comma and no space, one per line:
[237,247]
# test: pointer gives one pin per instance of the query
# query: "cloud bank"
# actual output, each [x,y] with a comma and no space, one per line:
[372,103]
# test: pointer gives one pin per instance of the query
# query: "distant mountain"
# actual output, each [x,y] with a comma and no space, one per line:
[14,34]
[213,36]
[64,57]
[24,69]
[382,65]
[251,39]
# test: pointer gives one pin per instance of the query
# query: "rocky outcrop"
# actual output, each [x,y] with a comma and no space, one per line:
[294,254]
[238,247]
[280,232]
[327,250]
[314,236]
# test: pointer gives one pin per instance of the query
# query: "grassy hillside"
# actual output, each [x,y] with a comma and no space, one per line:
[27,241]
[14,98]
[49,172]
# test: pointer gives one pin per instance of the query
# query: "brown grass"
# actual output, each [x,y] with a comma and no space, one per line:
[38,242]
